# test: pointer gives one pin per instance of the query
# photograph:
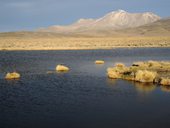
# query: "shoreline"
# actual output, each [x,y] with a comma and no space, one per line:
[70,49]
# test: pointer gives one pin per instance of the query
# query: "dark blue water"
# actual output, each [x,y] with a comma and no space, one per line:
[83,97]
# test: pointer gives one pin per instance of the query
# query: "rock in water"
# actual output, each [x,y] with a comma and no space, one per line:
[62,68]
[13,75]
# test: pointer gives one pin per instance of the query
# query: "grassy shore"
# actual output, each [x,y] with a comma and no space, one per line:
[146,72]
[76,43]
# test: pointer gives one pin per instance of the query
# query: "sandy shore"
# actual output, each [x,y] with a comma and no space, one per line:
[80,43]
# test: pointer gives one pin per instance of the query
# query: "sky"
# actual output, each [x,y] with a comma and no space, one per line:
[19,15]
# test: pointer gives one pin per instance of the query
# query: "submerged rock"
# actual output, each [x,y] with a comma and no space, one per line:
[99,62]
[13,75]
[62,68]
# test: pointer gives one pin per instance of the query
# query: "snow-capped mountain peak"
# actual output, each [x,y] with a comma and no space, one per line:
[114,20]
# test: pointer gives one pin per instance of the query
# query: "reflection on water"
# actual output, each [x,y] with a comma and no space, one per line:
[111,82]
[62,72]
[140,87]
[165,88]
[46,98]
[144,87]
[12,81]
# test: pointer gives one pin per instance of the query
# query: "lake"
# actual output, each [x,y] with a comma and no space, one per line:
[82,97]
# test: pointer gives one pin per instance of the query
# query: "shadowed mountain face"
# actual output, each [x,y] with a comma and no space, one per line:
[112,21]
[158,28]
[146,24]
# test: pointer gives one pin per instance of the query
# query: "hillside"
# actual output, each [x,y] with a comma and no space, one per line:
[158,28]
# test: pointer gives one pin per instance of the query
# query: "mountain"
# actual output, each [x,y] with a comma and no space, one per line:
[153,26]
[115,20]
[157,28]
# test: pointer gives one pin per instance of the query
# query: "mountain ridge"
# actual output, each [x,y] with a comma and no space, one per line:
[114,20]
[157,28]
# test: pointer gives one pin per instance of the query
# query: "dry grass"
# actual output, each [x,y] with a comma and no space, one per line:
[119,65]
[117,71]
[62,68]
[113,74]
[147,71]
[13,75]
[151,65]
[61,43]
[129,77]
[145,76]
[165,81]
[99,62]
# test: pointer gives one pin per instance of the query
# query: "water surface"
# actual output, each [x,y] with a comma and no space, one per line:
[83,97]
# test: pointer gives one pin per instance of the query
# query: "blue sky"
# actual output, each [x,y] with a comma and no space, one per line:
[31,14]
